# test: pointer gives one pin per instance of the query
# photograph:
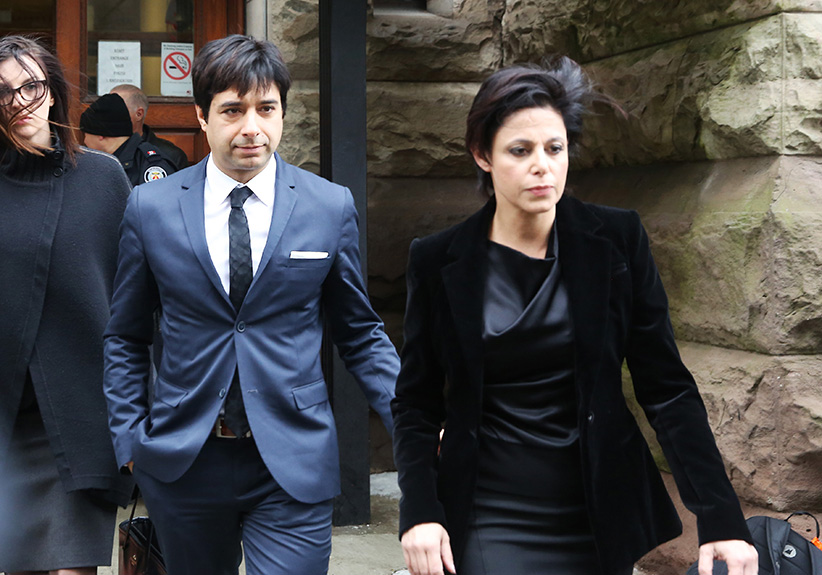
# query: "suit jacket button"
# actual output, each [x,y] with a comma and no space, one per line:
[241,326]
[222,393]
[591,417]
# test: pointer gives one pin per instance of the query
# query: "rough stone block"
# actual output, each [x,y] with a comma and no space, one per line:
[766,414]
[300,144]
[294,26]
[737,92]
[531,29]
[414,46]
[596,29]
[802,98]
[738,245]
[399,210]
[417,129]
[462,45]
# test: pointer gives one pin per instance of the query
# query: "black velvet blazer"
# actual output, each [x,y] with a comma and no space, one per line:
[620,312]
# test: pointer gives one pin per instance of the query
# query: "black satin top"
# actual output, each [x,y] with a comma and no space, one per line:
[529,424]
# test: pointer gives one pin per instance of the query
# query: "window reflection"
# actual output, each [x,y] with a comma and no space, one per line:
[149,22]
[30,17]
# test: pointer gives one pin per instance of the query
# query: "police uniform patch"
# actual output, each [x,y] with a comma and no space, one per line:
[154,173]
[150,153]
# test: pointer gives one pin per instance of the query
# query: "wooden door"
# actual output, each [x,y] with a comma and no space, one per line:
[172,118]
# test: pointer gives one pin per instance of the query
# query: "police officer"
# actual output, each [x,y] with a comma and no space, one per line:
[107,127]
[137,104]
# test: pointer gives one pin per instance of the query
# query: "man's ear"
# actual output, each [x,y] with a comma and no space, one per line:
[140,113]
[91,141]
[201,118]
[484,164]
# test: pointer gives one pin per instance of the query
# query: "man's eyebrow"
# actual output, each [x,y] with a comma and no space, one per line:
[240,103]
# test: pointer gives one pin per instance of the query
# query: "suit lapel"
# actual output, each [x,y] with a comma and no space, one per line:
[585,258]
[192,207]
[464,283]
[285,196]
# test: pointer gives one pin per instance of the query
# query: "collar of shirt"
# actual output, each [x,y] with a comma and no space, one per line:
[217,207]
[220,185]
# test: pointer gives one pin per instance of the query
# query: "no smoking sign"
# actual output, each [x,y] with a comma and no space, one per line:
[177,66]
[176,73]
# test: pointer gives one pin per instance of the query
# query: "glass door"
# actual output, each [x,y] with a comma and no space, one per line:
[30,17]
[148,43]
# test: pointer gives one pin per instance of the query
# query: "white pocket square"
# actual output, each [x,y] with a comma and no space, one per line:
[297,255]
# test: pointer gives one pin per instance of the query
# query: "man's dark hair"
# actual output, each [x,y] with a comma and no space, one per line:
[241,63]
[559,83]
[21,48]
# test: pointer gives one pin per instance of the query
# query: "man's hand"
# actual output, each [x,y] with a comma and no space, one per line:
[741,557]
[427,549]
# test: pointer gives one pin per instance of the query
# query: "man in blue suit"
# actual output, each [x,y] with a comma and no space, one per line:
[246,255]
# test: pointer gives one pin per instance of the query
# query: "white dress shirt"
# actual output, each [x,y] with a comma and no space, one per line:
[217,205]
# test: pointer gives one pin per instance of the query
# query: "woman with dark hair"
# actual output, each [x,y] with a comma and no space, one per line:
[60,209]
[517,325]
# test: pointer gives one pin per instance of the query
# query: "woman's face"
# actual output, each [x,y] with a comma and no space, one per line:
[528,162]
[30,118]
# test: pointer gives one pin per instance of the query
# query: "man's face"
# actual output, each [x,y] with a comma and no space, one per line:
[244,132]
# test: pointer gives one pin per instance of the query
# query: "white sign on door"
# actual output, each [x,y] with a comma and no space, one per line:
[117,63]
[175,79]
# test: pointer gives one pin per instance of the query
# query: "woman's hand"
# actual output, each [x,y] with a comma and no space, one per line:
[740,556]
[427,549]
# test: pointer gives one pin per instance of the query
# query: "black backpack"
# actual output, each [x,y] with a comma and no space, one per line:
[782,551]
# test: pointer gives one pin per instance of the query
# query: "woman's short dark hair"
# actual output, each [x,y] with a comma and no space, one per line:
[241,63]
[25,51]
[559,83]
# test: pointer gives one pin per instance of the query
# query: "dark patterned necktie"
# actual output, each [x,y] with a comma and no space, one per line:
[239,248]
[240,274]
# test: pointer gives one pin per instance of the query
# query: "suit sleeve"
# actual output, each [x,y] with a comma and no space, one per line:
[129,335]
[355,327]
[419,406]
[670,398]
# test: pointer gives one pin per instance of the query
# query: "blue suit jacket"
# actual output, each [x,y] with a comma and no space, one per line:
[274,339]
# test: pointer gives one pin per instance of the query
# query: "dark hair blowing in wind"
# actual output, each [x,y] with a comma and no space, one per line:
[559,83]
[27,51]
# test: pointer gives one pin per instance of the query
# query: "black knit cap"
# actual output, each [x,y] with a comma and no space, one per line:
[108,116]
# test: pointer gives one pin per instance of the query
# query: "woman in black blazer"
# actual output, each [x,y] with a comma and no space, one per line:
[517,325]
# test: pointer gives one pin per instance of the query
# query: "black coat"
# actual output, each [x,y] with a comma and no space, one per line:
[58,254]
[143,161]
[619,311]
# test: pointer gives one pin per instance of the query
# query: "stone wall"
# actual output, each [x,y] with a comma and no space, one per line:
[719,149]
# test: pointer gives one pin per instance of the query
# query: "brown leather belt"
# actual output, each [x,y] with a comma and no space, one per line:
[222,431]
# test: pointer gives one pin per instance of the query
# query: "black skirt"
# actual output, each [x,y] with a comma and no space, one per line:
[513,534]
[43,527]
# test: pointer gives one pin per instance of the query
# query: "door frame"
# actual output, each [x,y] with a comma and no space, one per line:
[212,19]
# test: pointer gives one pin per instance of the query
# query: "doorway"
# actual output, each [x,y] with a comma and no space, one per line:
[141,42]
